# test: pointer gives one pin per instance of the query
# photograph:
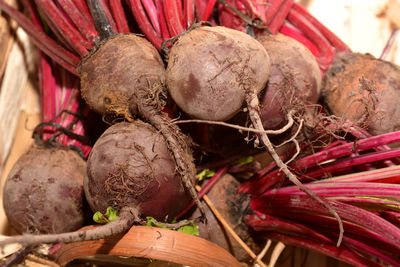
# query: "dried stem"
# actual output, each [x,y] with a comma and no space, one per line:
[127,217]
[241,128]
[253,105]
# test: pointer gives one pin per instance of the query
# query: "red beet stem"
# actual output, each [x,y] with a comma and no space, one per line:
[342,253]
[343,189]
[276,224]
[172,17]
[324,224]
[280,16]
[62,56]
[384,175]
[163,24]
[256,187]
[339,44]
[46,82]
[349,213]
[326,50]
[188,15]
[84,25]
[273,7]
[208,10]
[372,250]
[200,8]
[337,166]
[64,26]
[144,24]
[119,16]
[84,10]
[152,14]
[289,30]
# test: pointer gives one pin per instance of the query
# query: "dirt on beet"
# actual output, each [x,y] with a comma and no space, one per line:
[131,165]
[363,89]
[295,80]
[119,66]
[44,191]
[207,68]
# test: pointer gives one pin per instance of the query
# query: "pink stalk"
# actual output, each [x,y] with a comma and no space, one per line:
[144,24]
[258,186]
[343,189]
[64,27]
[372,250]
[326,50]
[180,10]
[369,203]
[152,14]
[338,165]
[60,92]
[163,24]
[205,189]
[119,16]
[200,8]
[339,44]
[46,82]
[62,56]
[304,205]
[172,17]
[289,30]
[84,10]
[392,216]
[249,8]
[84,25]
[208,10]
[280,16]
[188,15]
[324,224]
[342,253]
[273,7]
[228,18]
[384,175]
[276,224]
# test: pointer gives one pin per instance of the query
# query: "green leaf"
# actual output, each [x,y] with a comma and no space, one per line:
[99,217]
[153,223]
[111,215]
[244,160]
[189,229]
[206,173]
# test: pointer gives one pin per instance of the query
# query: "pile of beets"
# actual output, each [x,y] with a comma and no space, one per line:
[140,96]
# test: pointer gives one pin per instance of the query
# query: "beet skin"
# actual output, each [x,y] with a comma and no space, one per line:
[131,166]
[294,82]
[43,192]
[212,69]
[116,70]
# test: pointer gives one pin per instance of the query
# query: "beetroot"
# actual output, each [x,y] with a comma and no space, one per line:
[124,78]
[131,169]
[116,70]
[362,88]
[294,82]
[131,164]
[43,192]
[212,69]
